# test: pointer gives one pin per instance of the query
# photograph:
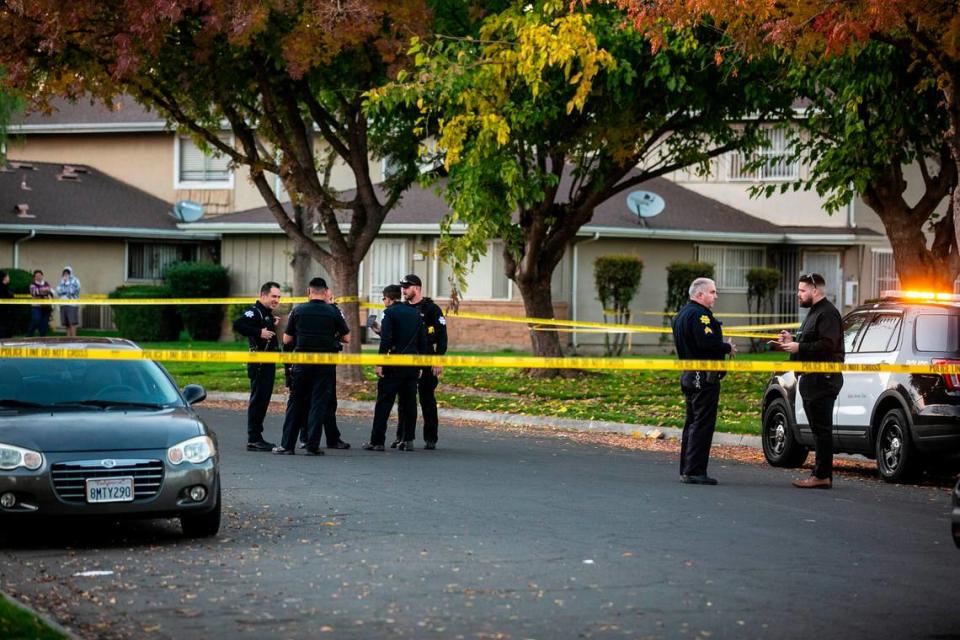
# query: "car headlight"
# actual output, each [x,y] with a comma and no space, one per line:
[12,457]
[195,450]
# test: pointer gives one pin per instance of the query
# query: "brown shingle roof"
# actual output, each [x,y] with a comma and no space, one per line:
[125,110]
[92,200]
[685,210]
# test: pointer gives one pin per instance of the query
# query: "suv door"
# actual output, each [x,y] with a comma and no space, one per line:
[877,343]
[852,324]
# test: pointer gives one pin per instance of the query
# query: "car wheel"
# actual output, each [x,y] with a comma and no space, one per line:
[779,445]
[896,458]
[202,525]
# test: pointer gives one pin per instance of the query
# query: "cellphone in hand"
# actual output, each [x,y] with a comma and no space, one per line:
[372,320]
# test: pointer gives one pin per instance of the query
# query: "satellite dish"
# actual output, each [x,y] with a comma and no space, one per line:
[645,204]
[188,210]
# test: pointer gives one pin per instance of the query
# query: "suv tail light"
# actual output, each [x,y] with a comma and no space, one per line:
[952,380]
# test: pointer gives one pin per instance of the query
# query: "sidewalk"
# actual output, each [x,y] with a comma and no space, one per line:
[517,419]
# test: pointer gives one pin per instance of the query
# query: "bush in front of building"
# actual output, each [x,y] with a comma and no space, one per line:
[617,279]
[679,277]
[199,280]
[146,323]
[19,284]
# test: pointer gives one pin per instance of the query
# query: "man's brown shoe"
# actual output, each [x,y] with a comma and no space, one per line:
[813,482]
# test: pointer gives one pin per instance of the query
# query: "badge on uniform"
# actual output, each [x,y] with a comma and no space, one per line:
[705,319]
[430,329]
[442,320]
[248,314]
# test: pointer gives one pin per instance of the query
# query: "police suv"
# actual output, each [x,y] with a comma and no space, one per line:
[904,421]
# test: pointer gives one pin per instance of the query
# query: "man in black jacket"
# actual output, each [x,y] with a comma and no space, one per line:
[820,339]
[259,326]
[401,332]
[316,326]
[435,327]
[697,335]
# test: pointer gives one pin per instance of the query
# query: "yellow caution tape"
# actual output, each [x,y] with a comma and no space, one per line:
[510,362]
[102,299]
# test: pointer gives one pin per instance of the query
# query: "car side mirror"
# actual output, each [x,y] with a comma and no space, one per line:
[194,393]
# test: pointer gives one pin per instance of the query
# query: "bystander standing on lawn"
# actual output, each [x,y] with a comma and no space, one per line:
[69,289]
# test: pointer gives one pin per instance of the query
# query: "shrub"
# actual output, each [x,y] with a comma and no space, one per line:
[617,279]
[19,283]
[679,277]
[199,280]
[762,283]
[147,323]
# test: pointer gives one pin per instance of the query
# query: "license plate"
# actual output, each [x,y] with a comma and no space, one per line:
[110,489]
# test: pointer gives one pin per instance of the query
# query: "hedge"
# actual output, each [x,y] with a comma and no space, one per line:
[199,280]
[148,323]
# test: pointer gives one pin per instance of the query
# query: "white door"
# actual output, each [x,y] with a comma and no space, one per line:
[878,343]
[388,264]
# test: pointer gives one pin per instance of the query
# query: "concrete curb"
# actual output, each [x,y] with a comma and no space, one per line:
[521,420]
[45,619]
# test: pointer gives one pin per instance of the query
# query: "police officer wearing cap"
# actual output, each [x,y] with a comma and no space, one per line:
[313,327]
[259,326]
[401,332]
[435,326]
[697,335]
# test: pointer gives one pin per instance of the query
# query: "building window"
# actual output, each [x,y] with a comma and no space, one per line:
[884,272]
[731,264]
[776,166]
[197,170]
[147,260]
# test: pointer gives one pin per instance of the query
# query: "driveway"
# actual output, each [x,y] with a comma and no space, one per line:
[500,534]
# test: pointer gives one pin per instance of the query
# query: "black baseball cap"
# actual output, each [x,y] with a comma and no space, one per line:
[411,279]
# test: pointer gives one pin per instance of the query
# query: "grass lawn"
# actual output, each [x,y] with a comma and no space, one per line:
[643,397]
[17,623]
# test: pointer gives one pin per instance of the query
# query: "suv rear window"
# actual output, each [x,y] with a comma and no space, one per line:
[938,333]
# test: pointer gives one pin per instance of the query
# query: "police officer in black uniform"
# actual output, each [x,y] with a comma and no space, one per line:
[401,332]
[313,327]
[436,330]
[820,339]
[697,335]
[259,326]
[330,429]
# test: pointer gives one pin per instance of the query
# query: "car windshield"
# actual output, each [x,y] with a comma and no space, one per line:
[27,382]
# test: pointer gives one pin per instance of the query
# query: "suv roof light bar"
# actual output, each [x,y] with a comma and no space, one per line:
[920,295]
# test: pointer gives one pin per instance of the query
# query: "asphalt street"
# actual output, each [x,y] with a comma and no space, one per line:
[499,534]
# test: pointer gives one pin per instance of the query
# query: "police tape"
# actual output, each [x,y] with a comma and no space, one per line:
[498,362]
[542,324]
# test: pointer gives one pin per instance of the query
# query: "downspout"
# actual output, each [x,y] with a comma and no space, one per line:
[573,287]
[16,247]
[851,221]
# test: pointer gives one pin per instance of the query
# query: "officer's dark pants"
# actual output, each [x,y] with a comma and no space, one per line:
[698,428]
[330,429]
[388,388]
[312,390]
[426,390]
[262,376]
[819,392]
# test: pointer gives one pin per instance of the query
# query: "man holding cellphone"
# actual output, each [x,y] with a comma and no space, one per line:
[820,339]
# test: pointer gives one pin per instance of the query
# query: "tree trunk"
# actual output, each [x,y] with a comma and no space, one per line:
[302,264]
[917,267]
[538,303]
[345,276]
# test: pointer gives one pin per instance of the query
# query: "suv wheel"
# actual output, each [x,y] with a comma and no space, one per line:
[896,458]
[202,525]
[779,446]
